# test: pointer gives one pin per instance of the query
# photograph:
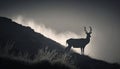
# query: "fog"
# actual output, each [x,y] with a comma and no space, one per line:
[61,20]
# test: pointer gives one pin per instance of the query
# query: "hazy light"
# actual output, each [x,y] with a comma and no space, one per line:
[93,49]
[48,32]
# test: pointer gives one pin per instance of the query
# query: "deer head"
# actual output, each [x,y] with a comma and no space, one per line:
[88,33]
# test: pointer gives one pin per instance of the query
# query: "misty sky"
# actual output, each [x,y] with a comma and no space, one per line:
[72,15]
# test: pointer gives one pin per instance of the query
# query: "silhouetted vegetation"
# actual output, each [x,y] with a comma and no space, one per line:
[22,48]
[45,58]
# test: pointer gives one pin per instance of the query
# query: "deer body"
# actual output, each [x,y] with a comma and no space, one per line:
[79,43]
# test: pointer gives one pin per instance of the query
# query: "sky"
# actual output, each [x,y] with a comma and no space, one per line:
[64,19]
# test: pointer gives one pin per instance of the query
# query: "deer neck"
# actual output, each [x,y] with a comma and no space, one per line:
[88,38]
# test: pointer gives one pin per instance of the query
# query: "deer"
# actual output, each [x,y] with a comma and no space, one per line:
[79,43]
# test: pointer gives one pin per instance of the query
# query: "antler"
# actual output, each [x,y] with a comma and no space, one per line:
[90,29]
[85,30]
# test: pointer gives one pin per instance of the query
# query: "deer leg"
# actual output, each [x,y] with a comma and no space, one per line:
[68,48]
[81,50]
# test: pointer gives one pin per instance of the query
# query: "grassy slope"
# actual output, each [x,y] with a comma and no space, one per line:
[26,39]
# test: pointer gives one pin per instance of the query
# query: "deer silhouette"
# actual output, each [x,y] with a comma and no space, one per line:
[79,43]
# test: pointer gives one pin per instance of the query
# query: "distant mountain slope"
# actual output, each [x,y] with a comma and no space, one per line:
[24,37]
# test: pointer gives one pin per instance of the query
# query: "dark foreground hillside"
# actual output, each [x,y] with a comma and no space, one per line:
[82,62]
[19,43]
[86,62]
[6,63]
[24,38]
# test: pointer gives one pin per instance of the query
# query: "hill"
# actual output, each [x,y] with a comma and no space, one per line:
[19,40]
[24,38]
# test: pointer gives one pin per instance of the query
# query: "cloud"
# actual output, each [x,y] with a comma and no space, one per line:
[48,32]
[95,49]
